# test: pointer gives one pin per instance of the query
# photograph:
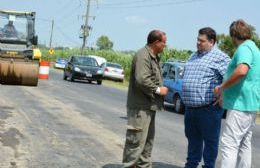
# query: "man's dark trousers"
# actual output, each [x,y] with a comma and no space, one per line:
[202,129]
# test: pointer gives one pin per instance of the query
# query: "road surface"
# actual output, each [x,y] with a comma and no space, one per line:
[62,124]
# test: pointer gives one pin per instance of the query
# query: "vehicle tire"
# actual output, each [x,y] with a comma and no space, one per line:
[99,82]
[178,104]
[64,76]
[71,78]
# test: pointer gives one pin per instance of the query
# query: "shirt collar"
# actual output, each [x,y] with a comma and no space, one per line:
[151,52]
[202,53]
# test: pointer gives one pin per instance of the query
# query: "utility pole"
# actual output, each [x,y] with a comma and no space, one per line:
[51,51]
[85,27]
[52,24]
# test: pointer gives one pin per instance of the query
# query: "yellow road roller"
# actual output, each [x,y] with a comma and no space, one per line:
[19,60]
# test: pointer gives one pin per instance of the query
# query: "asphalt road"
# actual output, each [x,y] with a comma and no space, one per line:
[62,124]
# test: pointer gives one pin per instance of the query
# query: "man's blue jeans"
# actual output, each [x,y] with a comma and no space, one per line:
[202,129]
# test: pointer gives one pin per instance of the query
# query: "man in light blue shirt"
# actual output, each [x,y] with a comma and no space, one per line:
[241,96]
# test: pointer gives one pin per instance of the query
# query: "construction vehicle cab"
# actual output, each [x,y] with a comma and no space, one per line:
[19,65]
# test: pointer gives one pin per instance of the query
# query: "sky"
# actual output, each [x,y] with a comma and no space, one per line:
[128,22]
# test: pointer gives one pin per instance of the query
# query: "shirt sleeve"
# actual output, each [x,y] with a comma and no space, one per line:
[223,64]
[244,56]
[144,75]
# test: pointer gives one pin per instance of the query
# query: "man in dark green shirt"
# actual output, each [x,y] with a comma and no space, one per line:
[145,97]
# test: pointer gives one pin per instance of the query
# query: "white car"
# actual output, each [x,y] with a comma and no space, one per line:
[100,60]
[114,71]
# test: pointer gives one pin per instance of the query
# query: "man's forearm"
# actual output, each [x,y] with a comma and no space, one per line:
[233,79]
[237,75]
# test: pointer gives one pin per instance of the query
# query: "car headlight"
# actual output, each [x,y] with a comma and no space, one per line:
[77,69]
[99,72]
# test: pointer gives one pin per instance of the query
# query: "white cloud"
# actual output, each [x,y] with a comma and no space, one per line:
[136,20]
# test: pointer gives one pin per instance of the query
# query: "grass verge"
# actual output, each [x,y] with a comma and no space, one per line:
[118,85]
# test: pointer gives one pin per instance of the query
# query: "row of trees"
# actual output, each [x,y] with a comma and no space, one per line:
[226,45]
[105,49]
[224,42]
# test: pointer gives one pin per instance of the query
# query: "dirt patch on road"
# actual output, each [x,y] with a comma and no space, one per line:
[71,116]
[12,152]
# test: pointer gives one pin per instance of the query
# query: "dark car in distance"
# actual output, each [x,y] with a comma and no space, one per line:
[83,68]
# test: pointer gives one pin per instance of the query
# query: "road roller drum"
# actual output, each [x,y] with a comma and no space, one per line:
[19,73]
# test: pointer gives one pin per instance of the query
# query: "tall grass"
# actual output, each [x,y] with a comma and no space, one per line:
[122,58]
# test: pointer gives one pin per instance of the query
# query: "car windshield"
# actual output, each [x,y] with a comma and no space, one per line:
[114,65]
[85,61]
[13,27]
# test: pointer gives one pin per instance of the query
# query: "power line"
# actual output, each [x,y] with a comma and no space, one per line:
[149,5]
[43,19]
[60,30]
[70,12]
[68,38]
[126,2]
[66,6]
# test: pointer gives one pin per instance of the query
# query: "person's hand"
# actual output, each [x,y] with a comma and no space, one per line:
[218,101]
[218,91]
[163,91]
